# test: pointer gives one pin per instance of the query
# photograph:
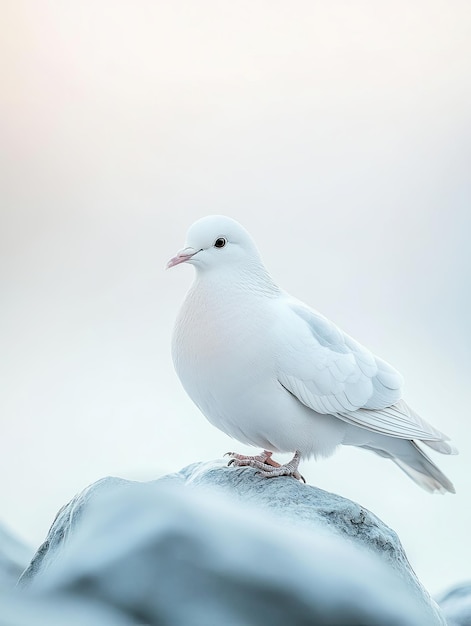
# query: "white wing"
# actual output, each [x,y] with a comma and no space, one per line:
[331,373]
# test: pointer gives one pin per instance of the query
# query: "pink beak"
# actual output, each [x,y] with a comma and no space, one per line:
[181,257]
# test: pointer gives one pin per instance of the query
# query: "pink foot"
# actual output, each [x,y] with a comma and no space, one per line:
[261,461]
[268,468]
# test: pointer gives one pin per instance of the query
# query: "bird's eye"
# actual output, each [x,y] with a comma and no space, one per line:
[220,242]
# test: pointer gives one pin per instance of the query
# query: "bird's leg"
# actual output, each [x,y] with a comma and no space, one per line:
[288,469]
[261,461]
[267,466]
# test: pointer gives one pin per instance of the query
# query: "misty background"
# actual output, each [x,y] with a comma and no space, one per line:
[338,133]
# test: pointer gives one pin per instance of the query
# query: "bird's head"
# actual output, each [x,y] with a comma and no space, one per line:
[215,242]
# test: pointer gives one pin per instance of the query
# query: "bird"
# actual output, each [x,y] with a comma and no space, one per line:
[273,373]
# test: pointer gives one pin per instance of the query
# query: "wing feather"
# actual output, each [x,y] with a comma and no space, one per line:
[331,373]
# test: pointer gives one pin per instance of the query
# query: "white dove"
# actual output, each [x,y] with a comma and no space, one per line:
[271,372]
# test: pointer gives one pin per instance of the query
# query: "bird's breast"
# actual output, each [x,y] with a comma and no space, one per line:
[218,345]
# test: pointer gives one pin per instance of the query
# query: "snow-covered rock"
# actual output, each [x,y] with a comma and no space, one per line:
[14,556]
[218,545]
[456,605]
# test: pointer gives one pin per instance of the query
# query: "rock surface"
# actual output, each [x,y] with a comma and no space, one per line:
[218,545]
[19,609]
[456,605]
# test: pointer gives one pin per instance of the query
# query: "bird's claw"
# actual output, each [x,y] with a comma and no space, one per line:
[268,468]
[249,462]
[281,471]
[244,460]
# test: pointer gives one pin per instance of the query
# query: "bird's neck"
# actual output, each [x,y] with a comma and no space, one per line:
[210,324]
[251,279]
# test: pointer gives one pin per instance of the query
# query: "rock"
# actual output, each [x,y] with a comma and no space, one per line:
[219,545]
[19,609]
[14,557]
[456,605]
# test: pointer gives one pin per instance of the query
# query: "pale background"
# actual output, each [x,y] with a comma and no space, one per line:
[337,132]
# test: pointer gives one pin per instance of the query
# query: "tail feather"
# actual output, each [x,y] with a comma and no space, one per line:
[418,466]
[412,460]
[441,446]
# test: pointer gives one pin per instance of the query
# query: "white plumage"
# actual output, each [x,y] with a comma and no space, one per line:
[271,372]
